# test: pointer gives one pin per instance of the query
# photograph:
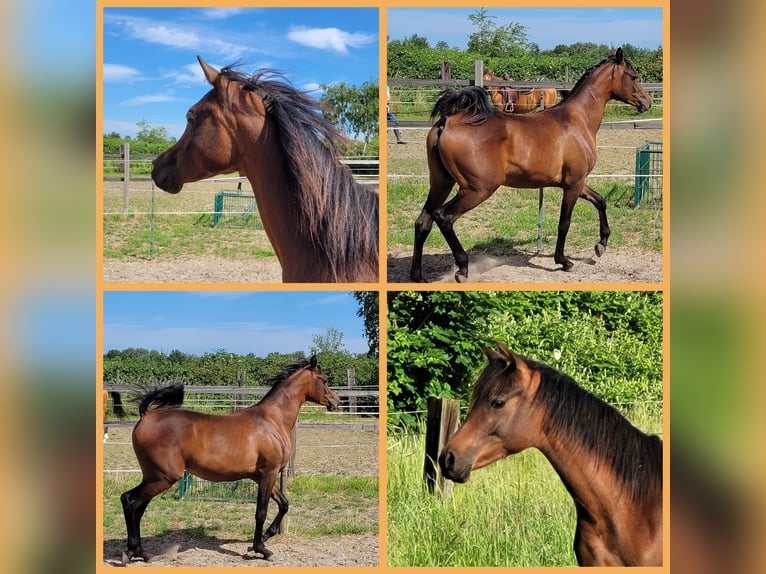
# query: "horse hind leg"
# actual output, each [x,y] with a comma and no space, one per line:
[445,217]
[134,503]
[441,183]
[600,204]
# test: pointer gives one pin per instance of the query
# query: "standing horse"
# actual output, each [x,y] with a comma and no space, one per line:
[251,443]
[322,224]
[515,101]
[479,148]
[612,470]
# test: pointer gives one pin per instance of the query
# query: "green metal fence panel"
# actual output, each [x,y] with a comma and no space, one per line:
[647,189]
[234,208]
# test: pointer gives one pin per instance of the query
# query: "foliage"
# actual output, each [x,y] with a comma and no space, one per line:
[493,40]
[149,140]
[610,342]
[143,366]
[354,109]
[434,341]
[369,310]
[510,56]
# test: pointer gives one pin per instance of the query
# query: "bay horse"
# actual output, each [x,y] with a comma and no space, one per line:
[321,222]
[250,443]
[515,101]
[479,148]
[612,470]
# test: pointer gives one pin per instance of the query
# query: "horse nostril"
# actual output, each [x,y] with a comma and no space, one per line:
[446,460]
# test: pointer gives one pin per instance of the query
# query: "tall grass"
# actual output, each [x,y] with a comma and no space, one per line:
[515,512]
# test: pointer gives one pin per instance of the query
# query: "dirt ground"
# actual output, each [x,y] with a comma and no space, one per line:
[199,269]
[193,550]
[615,266]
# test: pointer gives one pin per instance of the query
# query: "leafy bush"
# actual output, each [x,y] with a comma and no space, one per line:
[610,342]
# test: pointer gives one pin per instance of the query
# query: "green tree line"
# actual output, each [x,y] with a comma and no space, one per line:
[139,366]
[508,52]
[610,342]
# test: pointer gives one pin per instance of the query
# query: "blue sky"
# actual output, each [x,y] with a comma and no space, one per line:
[547,27]
[150,70]
[240,322]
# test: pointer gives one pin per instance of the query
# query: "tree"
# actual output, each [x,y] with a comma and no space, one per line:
[353,109]
[369,310]
[152,134]
[491,40]
[331,341]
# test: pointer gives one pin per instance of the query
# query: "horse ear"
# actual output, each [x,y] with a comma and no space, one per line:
[503,353]
[619,56]
[211,74]
[313,362]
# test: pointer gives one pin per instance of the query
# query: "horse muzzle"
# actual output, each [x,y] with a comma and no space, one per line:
[450,469]
[332,402]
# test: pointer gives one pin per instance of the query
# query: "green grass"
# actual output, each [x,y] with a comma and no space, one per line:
[508,220]
[515,512]
[319,506]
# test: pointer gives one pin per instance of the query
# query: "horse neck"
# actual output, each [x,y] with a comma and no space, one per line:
[286,402]
[265,168]
[591,97]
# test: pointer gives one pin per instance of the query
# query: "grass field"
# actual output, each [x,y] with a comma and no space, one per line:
[515,512]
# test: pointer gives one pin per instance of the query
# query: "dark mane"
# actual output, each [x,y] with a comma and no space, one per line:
[340,214]
[288,372]
[585,421]
[610,59]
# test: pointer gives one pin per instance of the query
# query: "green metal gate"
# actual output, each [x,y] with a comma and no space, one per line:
[647,189]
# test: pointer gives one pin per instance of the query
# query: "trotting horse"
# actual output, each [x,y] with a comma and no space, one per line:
[515,101]
[251,443]
[322,224]
[612,470]
[479,148]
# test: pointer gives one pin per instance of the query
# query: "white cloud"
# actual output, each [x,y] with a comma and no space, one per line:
[150,99]
[120,73]
[332,39]
[221,13]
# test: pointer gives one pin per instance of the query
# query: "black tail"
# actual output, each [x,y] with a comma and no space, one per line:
[170,396]
[117,408]
[473,101]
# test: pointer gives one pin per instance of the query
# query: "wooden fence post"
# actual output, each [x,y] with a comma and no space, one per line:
[478,73]
[350,382]
[442,423]
[125,161]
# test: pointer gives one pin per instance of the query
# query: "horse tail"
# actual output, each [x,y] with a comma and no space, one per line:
[170,396]
[117,407]
[472,101]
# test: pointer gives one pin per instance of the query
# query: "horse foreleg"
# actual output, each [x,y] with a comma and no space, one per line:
[565,218]
[265,489]
[278,496]
[600,204]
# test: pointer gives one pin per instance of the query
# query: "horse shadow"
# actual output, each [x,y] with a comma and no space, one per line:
[164,547]
[482,258]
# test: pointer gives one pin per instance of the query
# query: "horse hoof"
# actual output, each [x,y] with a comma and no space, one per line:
[599,249]
[461,277]
[567,265]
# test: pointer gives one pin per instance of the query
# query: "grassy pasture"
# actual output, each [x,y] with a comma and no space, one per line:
[515,512]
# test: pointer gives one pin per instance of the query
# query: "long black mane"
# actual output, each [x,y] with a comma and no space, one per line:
[585,421]
[340,215]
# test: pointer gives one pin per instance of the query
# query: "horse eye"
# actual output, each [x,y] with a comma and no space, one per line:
[497,404]
[190,117]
